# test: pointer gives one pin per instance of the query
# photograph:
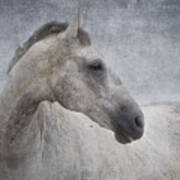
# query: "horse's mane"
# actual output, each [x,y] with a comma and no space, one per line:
[43,32]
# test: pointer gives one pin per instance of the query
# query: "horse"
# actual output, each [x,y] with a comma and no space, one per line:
[59,64]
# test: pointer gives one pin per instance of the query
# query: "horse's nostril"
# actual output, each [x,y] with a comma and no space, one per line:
[138,122]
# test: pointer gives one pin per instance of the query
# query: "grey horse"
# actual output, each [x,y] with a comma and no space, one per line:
[59,64]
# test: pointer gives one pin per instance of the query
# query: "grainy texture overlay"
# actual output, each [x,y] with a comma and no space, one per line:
[65,115]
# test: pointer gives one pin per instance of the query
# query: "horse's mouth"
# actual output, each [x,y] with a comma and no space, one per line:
[122,138]
[125,134]
[122,135]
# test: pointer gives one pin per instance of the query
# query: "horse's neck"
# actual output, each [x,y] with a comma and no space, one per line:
[17,103]
[7,101]
[28,77]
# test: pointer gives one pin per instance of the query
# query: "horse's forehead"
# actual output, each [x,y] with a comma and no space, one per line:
[89,53]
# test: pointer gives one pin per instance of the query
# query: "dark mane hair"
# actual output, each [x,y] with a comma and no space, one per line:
[43,32]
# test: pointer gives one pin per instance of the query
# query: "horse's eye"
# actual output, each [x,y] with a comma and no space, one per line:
[96,65]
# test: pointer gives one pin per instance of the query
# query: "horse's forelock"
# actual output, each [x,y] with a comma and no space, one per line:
[43,32]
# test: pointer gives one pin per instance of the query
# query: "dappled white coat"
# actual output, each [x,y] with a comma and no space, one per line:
[63,145]
[41,140]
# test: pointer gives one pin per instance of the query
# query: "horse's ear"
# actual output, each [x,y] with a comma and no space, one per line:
[72,29]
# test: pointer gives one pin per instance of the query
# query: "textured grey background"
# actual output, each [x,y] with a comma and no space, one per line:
[139,38]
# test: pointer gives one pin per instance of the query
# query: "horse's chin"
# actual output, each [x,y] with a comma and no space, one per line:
[123,139]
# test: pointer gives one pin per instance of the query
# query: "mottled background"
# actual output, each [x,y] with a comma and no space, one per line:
[139,38]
